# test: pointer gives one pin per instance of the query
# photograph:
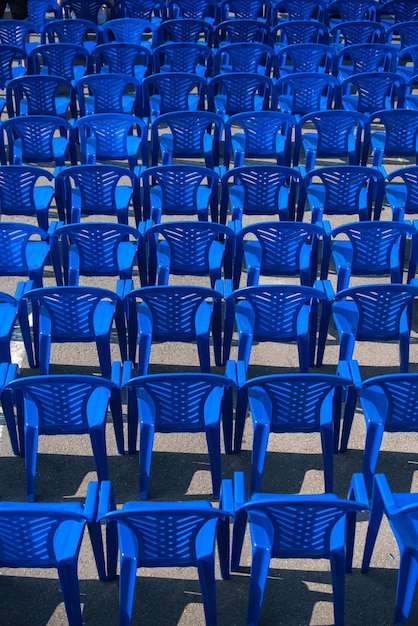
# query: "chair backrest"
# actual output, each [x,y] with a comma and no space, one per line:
[177,56]
[175,91]
[369,92]
[129,30]
[245,10]
[292,32]
[301,9]
[399,11]
[60,59]
[122,58]
[305,57]
[403,34]
[179,29]
[16,33]
[407,61]
[306,92]
[84,10]
[144,9]
[400,130]
[76,31]
[409,177]
[15,240]
[13,61]
[18,188]
[356,32]
[193,9]
[39,95]
[238,92]
[107,93]
[366,57]
[350,10]
[396,396]
[236,31]
[40,11]
[251,56]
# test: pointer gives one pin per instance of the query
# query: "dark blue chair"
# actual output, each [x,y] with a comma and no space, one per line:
[306,92]
[84,10]
[258,135]
[254,56]
[129,30]
[179,403]
[396,11]
[187,56]
[245,10]
[407,62]
[278,313]
[393,133]
[236,31]
[277,249]
[20,33]
[402,34]
[351,10]
[174,313]
[366,57]
[24,250]
[401,191]
[76,31]
[60,59]
[305,57]
[237,92]
[206,10]
[290,403]
[296,526]
[63,404]
[42,535]
[186,135]
[152,10]
[93,190]
[342,190]
[333,134]
[27,190]
[182,29]
[401,512]
[259,190]
[13,63]
[108,137]
[108,93]
[122,58]
[189,248]
[296,10]
[71,315]
[369,249]
[348,33]
[180,190]
[40,95]
[173,91]
[167,534]
[291,32]
[369,92]
[41,11]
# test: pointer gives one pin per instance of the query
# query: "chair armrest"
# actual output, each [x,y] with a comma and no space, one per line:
[127,372]
[240,496]
[357,490]
[92,501]
[106,499]
[326,288]
[22,288]
[226,497]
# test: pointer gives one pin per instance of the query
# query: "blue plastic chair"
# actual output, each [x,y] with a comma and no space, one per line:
[290,403]
[96,249]
[13,63]
[180,190]
[369,92]
[183,56]
[167,534]
[63,404]
[277,249]
[45,535]
[296,526]
[24,250]
[366,57]
[400,509]
[108,93]
[411,95]
[258,135]
[122,58]
[351,10]
[76,31]
[306,92]
[291,32]
[61,59]
[9,311]
[237,92]
[42,139]
[356,32]
[206,10]
[113,137]
[129,30]
[236,31]
[174,313]
[402,34]
[369,249]
[245,10]
[152,10]
[93,190]
[26,190]
[402,193]
[389,405]
[379,312]
[186,135]
[254,56]
[173,91]
[184,29]
[342,190]
[259,190]
[334,134]
[177,403]
[407,62]
[393,133]
[305,57]
[20,33]
[395,11]
[279,313]
[41,11]
[300,10]
[71,315]
[189,248]
[40,95]
[84,10]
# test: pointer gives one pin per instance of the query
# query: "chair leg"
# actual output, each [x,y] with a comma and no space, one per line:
[206,570]
[337,559]
[105,360]
[327,441]
[67,572]
[31,450]
[259,571]
[98,444]
[259,449]
[405,588]
[146,437]
[238,534]
[127,579]
[214,448]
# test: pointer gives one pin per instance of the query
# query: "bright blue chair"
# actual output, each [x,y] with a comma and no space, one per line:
[167,534]
[245,10]
[253,56]
[122,58]
[313,10]
[180,190]
[206,10]
[369,92]
[355,32]
[71,315]
[402,34]
[296,526]
[24,251]
[97,190]
[305,57]
[277,249]
[13,63]
[389,405]
[342,190]
[278,313]
[27,190]
[97,249]
[173,91]
[401,512]
[186,135]
[177,403]
[401,191]
[64,404]
[113,137]
[60,59]
[183,56]
[243,30]
[40,95]
[76,31]
[49,535]
[393,133]
[129,30]
[371,312]
[369,249]
[191,248]
[395,11]
[174,313]
[366,57]
[237,92]
[348,11]
[108,93]
[179,29]
[305,92]
[290,403]
[259,190]
[20,33]
[333,134]
[38,139]
[291,32]
[407,62]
